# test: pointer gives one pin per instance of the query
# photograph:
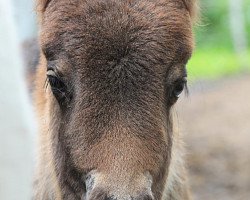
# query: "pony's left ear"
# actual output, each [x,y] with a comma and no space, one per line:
[193,8]
[41,5]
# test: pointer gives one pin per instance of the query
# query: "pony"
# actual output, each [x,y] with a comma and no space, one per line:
[109,74]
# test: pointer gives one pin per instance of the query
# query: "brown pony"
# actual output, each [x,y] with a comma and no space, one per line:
[110,72]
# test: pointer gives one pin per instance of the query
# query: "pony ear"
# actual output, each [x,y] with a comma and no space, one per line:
[42,5]
[192,7]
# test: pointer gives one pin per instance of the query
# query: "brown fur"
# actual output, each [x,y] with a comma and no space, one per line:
[109,135]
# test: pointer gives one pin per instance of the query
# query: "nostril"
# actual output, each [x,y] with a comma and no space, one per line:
[110,198]
[145,197]
[89,182]
[148,197]
[98,194]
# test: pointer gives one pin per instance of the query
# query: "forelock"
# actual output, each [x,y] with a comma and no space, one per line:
[191,5]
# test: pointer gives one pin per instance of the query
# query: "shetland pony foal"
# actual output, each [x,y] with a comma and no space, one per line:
[110,72]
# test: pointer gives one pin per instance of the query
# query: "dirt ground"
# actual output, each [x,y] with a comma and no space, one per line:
[215,120]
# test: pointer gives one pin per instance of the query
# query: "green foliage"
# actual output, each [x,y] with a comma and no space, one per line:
[214,56]
[247,17]
[214,30]
[216,63]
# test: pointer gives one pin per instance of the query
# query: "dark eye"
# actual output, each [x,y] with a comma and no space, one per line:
[178,88]
[57,86]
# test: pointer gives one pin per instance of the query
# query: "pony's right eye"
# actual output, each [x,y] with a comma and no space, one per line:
[178,88]
[57,86]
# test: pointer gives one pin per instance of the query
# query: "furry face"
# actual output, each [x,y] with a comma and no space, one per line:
[114,70]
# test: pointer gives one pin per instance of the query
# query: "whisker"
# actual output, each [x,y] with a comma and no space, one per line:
[186,90]
[46,83]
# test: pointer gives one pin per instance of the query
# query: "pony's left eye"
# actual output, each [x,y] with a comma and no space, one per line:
[178,88]
[57,86]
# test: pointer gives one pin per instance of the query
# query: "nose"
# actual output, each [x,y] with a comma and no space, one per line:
[99,187]
[100,194]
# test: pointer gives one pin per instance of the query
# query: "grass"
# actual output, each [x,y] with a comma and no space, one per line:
[216,63]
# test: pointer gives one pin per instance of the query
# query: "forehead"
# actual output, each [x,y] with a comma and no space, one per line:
[107,31]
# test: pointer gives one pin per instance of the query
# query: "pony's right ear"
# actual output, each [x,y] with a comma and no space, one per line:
[42,5]
[193,8]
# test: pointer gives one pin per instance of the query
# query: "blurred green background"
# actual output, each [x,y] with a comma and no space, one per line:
[219,50]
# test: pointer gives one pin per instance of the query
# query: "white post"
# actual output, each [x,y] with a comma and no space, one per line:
[17,125]
[25,18]
[238,30]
